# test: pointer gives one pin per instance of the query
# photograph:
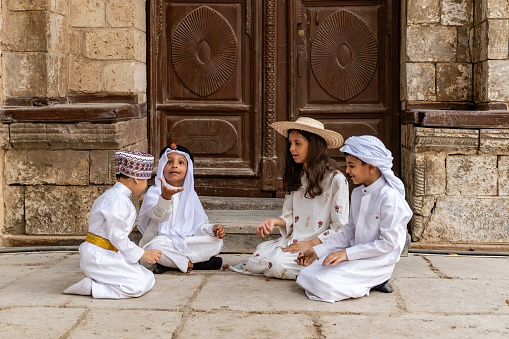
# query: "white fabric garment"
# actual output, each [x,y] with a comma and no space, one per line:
[372,151]
[187,219]
[374,239]
[115,275]
[305,219]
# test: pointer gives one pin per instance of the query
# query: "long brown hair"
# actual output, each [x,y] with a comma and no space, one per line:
[318,163]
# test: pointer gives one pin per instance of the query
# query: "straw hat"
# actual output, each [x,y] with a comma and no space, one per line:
[333,139]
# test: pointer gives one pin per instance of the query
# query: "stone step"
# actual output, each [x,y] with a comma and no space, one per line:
[236,203]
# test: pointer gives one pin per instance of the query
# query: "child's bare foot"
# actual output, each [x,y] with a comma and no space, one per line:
[190,266]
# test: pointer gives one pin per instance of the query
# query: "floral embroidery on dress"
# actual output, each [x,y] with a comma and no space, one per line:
[270,264]
[294,240]
[257,254]
[336,208]
[307,221]
[336,186]
[283,274]
[336,172]
[320,223]
[288,215]
[326,198]
[296,218]
[326,233]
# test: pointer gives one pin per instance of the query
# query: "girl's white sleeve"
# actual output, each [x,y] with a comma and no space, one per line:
[287,215]
[339,207]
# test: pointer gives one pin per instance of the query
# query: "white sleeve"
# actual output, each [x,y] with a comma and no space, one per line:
[339,207]
[287,215]
[161,211]
[205,229]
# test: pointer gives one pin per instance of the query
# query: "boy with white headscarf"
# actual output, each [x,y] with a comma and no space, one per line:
[362,256]
[172,218]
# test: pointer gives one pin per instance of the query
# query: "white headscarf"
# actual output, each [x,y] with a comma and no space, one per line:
[190,213]
[372,151]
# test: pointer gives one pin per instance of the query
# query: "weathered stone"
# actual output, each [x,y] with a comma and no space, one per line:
[57,77]
[88,13]
[125,77]
[59,210]
[27,31]
[498,32]
[457,12]
[503,175]
[454,82]
[126,13]
[479,42]
[446,140]
[429,175]
[498,80]
[131,132]
[25,74]
[480,11]
[115,44]
[463,219]
[497,9]
[102,167]
[14,205]
[423,12]
[27,5]
[37,167]
[87,76]
[480,82]
[4,136]
[420,81]
[494,141]
[57,33]
[472,175]
[431,43]
[463,44]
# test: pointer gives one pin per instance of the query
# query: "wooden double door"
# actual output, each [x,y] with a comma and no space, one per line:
[220,72]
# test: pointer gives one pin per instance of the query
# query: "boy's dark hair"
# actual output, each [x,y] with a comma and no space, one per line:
[179,148]
[317,165]
[363,162]
[121,175]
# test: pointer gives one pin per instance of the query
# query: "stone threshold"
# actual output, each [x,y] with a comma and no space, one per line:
[466,247]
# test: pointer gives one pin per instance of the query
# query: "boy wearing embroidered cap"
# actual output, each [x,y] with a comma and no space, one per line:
[172,218]
[316,201]
[363,255]
[108,258]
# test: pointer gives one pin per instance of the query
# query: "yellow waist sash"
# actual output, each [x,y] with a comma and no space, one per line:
[101,242]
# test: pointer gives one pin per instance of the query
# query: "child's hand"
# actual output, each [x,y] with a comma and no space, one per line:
[307,257]
[166,191]
[266,227]
[298,247]
[151,256]
[219,231]
[335,257]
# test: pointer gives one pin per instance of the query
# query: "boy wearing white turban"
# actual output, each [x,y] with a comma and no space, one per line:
[362,256]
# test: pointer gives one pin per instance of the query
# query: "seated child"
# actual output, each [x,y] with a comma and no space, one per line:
[108,258]
[172,218]
[363,255]
[316,201]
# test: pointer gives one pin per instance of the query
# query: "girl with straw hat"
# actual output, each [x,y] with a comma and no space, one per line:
[316,201]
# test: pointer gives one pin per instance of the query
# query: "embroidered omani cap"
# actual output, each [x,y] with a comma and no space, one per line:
[134,164]
[333,139]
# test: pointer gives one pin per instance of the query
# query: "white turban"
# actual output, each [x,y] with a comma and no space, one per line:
[372,151]
[190,213]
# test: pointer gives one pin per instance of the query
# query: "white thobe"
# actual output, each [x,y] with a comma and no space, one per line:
[305,219]
[201,246]
[115,275]
[373,238]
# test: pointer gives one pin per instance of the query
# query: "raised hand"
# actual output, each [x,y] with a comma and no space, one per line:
[151,256]
[219,231]
[266,227]
[166,191]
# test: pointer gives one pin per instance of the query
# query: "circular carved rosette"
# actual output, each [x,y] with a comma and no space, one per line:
[343,55]
[204,51]
[212,136]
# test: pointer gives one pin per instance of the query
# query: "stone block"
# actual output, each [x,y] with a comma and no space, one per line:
[450,141]
[431,44]
[429,175]
[498,80]
[131,132]
[423,12]
[88,13]
[498,32]
[463,219]
[125,77]
[503,175]
[14,206]
[28,5]
[481,82]
[497,9]
[454,82]
[480,10]
[420,81]
[457,12]
[27,31]
[115,44]
[86,76]
[4,136]
[102,167]
[38,167]
[463,44]
[57,33]
[59,210]
[472,175]
[494,141]
[126,13]
[25,74]
[479,43]
[57,76]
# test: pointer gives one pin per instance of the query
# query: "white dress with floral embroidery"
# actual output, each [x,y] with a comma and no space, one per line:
[306,218]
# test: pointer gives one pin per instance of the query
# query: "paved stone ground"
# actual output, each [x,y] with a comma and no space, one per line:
[435,296]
